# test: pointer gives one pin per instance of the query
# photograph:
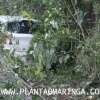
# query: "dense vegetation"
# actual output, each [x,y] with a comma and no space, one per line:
[64,50]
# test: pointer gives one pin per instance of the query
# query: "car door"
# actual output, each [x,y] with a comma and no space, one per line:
[20,38]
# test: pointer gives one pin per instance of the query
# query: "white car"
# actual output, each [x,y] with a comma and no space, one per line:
[20,33]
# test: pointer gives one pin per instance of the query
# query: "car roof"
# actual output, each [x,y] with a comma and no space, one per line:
[5,19]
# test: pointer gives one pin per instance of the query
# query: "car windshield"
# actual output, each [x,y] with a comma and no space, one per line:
[23,26]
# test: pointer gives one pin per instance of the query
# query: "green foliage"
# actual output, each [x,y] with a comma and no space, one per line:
[26,14]
[56,41]
[36,98]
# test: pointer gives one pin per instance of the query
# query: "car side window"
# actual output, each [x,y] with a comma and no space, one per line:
[24,26]
[13,27]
